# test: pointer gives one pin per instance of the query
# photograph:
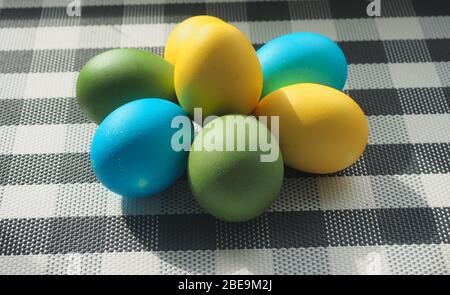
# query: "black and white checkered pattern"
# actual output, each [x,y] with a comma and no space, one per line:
[387,214]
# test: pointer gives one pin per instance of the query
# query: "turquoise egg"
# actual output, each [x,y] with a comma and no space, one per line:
[132,153]
[302,58]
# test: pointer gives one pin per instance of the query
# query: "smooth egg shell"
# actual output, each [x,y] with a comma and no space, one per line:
[302,58]
[131,152]
[116,77]
[321,129]
[218,71]
[233,185]
[184,31]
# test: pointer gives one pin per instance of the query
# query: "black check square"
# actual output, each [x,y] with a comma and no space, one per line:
[35,169]
[315,9]
[174,13]
[10,110]
[431,7]
[75,168]
[243,235]
[73,113]
[24,236]
[439,49]
[376,102]
[230,13]
[186,232]
[104,15]
[297,229]
[93,234]
[47,61]
[407,226]
[43,111]
[348,8]
[143,13]
[361,52]
[20,17]
[391,159]
[5,165]
[17,61]
[397,8]
[267,11]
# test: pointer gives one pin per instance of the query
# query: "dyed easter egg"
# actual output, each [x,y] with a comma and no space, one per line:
[302,58]
[118,76]
[132,152]
[232,184]
[218,71]
[184,31]
[321,129]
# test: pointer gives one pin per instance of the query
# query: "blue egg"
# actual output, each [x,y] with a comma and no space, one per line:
[302,58]
[132,152]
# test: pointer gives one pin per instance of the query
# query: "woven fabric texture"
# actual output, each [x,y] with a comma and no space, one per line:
[387,214]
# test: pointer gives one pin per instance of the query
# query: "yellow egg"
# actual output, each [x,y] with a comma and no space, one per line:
[321,129]
[184,31]
[218,71]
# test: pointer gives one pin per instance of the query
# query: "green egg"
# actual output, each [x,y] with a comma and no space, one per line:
[230,178]
[116,77]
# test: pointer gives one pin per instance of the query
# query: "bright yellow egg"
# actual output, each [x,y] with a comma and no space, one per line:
[218,71]
[321,129]
[184,31]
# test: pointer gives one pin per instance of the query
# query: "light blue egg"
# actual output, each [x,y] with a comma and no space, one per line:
[132,152]
[302,58]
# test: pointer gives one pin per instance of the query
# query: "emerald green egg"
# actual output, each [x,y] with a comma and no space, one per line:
[230,181]
[116,77]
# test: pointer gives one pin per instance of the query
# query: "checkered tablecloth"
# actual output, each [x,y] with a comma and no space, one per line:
[387,214]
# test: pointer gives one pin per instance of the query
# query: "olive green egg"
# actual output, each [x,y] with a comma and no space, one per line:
[116,77]
[233,174]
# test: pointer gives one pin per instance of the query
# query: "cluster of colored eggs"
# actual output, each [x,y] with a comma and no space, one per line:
[209,64]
